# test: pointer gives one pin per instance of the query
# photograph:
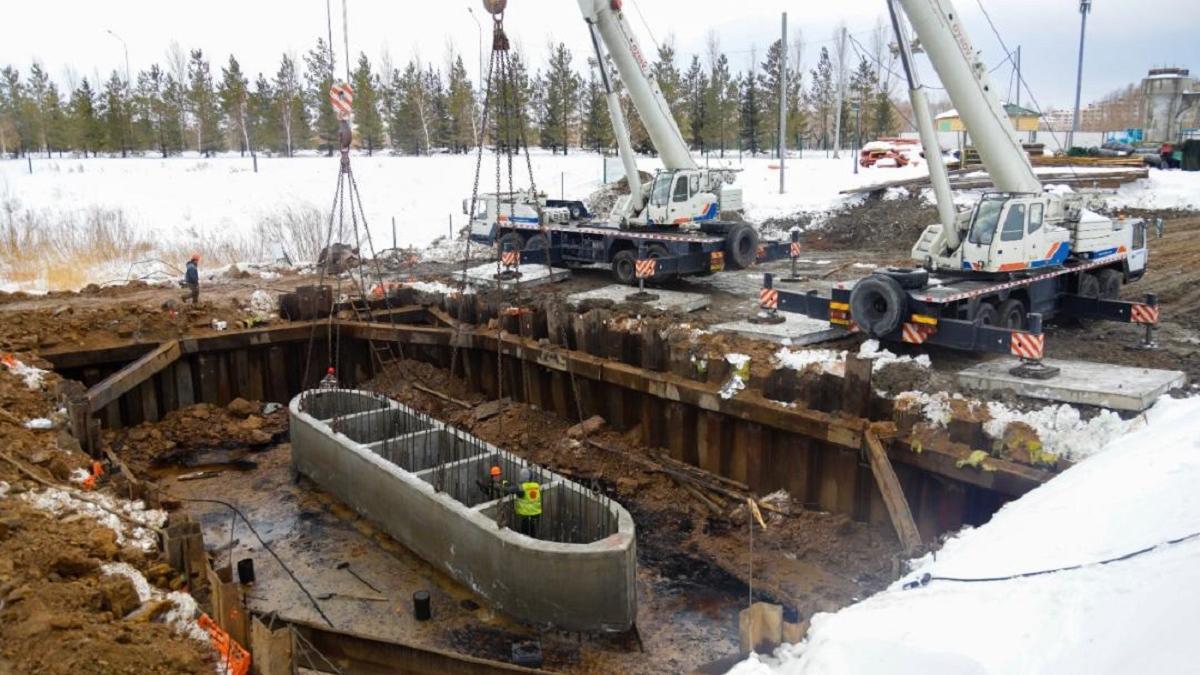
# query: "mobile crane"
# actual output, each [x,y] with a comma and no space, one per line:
[675,219]
[1019,254]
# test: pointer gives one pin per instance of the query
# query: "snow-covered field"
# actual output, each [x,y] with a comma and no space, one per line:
[220,206]
[1137,615]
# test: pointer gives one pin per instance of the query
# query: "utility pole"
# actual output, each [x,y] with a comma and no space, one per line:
[1085,6]
[783,53]
[1018,75]
[482,76]
[837,113]
[856,106]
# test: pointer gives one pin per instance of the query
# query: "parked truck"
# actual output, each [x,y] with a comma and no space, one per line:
[687,218]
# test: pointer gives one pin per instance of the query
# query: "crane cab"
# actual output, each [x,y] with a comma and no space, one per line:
[682,197]
[1011,233]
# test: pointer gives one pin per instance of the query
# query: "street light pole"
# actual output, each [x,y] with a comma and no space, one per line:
[128,84]
[1085,6]
[480,27]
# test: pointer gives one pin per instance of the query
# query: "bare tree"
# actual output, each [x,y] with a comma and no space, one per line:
[839,49]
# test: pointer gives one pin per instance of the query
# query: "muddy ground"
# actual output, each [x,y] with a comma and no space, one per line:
[59,615]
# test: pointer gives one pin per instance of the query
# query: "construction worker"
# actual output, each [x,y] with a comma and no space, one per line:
[529,503]
[494,487]
[191,279]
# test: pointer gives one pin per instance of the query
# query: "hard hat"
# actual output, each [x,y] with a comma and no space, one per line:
[495,471]
[195,257]
[330,371]
[525,474]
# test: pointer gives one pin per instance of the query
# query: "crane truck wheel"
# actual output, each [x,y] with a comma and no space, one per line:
[909,278]
[877,304]
[623,267]
[511,240]
[536,243]
[1011,314]
[1089,285]
[1110,283]
[741,246]
[987,315]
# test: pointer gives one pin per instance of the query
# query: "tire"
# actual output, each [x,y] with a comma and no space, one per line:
[623,267]
[510,239]
[987,315]
[1110,283]
[536,243]
[909,278]
[1011,314]
[576,211]
[741,247]
[877,304]
[1089,285]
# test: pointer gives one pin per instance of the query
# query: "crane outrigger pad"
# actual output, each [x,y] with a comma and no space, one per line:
[1081,382]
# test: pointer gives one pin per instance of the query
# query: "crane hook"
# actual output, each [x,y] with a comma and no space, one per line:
[495,7]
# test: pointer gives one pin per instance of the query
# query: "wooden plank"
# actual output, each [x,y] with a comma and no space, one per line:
[258,373]
[166,380]
[207,372]
[893,495]
[149,400]
[185,389]
[239,363]
[709,433]
[277,387]
[224,379]
[132,375]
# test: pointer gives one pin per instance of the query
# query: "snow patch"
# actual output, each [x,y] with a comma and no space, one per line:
[183,612]
[32,376]
[57,502]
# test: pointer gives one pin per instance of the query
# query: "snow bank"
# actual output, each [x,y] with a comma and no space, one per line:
[1161,190]
[1133,616]
[834,362]
[1061,428]
[183,612]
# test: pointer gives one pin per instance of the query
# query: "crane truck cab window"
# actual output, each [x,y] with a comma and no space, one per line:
[662,189]
[987,217]
[1035,217]
[1014,223]
[681,189]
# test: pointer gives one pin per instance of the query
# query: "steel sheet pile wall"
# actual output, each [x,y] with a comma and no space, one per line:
[418,478]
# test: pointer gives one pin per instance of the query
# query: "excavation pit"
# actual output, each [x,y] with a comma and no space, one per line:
[429,486]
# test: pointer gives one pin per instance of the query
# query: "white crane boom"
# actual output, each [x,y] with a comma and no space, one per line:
[966,80]
[607,18]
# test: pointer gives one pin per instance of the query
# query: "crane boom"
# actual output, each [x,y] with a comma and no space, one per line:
[966,80]
[606,17]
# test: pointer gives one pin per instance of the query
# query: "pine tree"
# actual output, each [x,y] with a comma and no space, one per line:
[114,112]
[203,103]
[261,120]
[518,96]
[721,104]
[318,78]
[37,88]
[597,124]
[561,91]
[884,115]
[461,109]
[671,83]
[55,120]
[864,82]
[753,104]
[174,112]
[289,107]
[695,84]
[410,124]
[232,93]
[366,106]
[86,132]
[821,96]
[15,110]
[769,84]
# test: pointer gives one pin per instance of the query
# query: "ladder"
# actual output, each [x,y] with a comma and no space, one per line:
[383,354]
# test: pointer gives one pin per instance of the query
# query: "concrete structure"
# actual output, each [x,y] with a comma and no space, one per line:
[416,478]
[1168,94]
[796,329]
[531,275]
[1098,384]
[668,301]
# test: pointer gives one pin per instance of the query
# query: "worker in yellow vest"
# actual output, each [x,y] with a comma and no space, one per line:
[528,504]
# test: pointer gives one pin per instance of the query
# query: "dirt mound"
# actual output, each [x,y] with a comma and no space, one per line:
[184,436]
[601,201]
[67,326]
[889,226]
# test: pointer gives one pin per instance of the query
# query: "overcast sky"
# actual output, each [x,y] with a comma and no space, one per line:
[1125,37]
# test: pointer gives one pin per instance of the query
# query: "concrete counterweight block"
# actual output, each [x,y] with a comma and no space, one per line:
[426,484]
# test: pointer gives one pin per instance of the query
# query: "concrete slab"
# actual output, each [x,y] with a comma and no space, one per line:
[531,275]
[668,301]
[796,329]
[1098,384]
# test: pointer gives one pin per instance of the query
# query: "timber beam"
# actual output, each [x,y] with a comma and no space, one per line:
[124,380]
